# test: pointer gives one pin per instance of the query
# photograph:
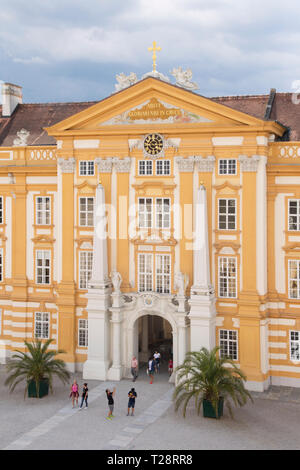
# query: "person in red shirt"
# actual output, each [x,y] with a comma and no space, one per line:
[170,366]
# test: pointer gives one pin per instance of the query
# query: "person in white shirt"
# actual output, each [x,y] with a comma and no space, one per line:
[157,360]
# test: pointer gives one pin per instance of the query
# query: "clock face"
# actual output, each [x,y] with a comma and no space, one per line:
[153,144]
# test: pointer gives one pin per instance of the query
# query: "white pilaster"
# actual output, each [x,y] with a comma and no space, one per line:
[203,312]
[99,291]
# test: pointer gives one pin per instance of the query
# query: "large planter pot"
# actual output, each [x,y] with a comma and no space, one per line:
[43,388]
[209,411]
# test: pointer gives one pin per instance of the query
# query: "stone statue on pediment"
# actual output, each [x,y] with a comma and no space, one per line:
[21,140]
[125,81]
[183,78]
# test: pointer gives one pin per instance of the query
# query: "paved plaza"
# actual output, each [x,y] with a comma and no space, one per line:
[272,422]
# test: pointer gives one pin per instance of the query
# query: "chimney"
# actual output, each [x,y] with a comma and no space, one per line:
[11,97]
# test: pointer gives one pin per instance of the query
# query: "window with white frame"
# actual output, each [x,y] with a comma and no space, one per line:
[145,212]
[86,168]
[86,211]
[227,214]
[228,342]
[295,345]
[1,264]
[1,209]
[43,210]
[83,333]
[227,166]
[145,272]
[294,214]
[227,277]
[41,325]
[145,167]
[163,167]
[85,268]
[163,273]
[43,258]
[294,278]
[162,211]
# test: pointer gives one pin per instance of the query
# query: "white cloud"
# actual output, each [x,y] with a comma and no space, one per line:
[224,41]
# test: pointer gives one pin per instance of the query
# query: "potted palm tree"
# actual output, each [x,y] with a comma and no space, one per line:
[211,381]
[37,368]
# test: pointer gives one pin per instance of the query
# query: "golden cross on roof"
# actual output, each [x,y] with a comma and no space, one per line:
[154,49]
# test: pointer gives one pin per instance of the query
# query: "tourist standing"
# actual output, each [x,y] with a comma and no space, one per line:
[151,368]
[134,368]
[74,393]
[170,367]
[110,397]
[131,401]
[84,396]
[157,361]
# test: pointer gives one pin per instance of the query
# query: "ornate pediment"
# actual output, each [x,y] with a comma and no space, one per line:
[155,111]
[86,187]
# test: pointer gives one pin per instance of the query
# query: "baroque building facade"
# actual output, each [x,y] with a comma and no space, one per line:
[155,216]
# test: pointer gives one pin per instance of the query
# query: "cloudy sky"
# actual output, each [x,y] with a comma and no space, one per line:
[71,50]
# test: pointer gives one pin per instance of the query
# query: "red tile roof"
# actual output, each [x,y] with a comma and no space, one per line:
[34,117]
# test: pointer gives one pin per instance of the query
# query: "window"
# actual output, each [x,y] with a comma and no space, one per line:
[86,211]
[145,167]
[1,264]
[162,211]
[145,212]
[163,274]
[227,167]
[43,210]
[228,344]
[145,272]
[85,268]
[41,325]
[294,214]
[43,267]
[295,345]
[163,167]
[294,278]
[83,333]
[227,214]
[1,209]
[227,277]
[0,322]
[86,168]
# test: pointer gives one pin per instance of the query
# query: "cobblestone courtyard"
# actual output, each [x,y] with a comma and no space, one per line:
[272,422]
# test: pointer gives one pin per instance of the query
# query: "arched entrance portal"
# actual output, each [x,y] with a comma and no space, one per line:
[153,332]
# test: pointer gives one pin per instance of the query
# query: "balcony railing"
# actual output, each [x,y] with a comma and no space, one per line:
[281,152]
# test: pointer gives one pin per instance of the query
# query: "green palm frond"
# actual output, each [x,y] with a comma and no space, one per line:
[36,364]
[206,376]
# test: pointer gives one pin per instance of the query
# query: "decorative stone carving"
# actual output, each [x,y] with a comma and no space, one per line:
[185,165]
[172,142]
[207,164]
[22,138]
[125,81]
[104,164]
[116,280]
[67,165]
[249,163]
[156,74]
[149,299]
[135,143]
[181,283]
[122,165]
[183,78]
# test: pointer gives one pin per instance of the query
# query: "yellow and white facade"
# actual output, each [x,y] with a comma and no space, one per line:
[205,234]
